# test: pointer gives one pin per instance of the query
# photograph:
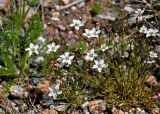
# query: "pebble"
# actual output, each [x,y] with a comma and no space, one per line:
[97,106]
[128,9]
[156,110]
[49,111]
[65,2]
[18,91]
[85,104]
[62,107]
[30,112]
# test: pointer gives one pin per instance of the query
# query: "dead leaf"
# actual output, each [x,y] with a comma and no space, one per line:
[43,86]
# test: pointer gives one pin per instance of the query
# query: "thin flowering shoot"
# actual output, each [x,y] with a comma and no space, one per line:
[32,49]
[76,23]
[65,59]
[52,47]
[99,65]
[91,55]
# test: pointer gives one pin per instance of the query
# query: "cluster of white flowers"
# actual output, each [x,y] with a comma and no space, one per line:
[89,33]
[148,32]
[99,65]
[66,58]
[33,48]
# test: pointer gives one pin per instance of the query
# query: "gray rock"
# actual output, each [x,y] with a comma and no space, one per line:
[46,100]
[30,112]
[18,91]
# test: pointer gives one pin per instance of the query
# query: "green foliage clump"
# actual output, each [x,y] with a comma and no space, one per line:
[95,8]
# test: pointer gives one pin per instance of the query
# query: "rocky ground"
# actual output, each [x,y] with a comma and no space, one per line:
[29,95]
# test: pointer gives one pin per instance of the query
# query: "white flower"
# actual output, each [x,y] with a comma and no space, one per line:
[41,39]
[104,47]
[99,65]
[39,59]
[90,55]
[153,54]
[151,32]
[88,33]
[52,47]
[95,32]
[139,12]
[32,49]
[76,23]
[54,92]
[65,59]
[143,29]
[91,33]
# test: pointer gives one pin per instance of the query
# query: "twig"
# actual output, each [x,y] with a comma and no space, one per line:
[147,4]
[37,8]
[69,5]
[106,17]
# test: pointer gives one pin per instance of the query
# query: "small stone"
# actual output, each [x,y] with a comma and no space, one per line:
[14,107]
[114,110]
[62,107]
[1,111]
[46,100]
[85,104]
[73,8]
[128,9]
[18,91]
[30,112]
[151,80]
[120,112]
[4,5]
[49,111]
[156,110]
[37,79]
[132,111]
[97,106]
[65,2]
